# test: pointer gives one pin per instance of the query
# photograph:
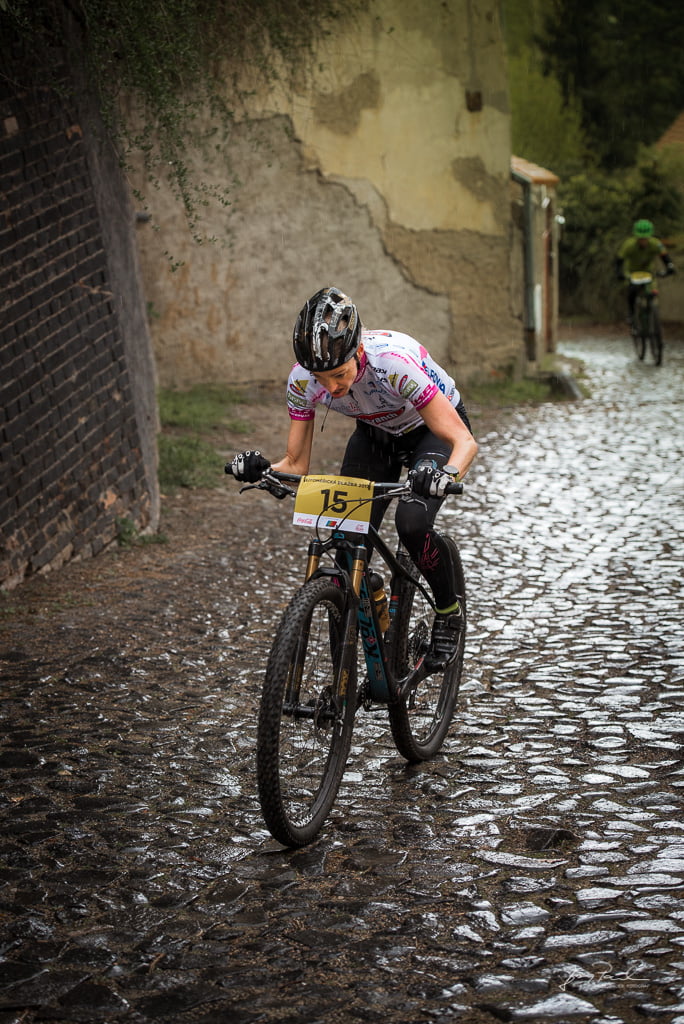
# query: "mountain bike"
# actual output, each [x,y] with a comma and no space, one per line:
[646,326]
[311,693]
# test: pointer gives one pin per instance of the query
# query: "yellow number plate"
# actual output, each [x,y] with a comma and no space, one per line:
[334,502]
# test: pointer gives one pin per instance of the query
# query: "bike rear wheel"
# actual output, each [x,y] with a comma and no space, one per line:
[656,337]
[421,722]
[305,721]
[639,332]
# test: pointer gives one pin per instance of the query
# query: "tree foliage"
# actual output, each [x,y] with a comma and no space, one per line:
[177,60]
[592,86]
[622,63]
[544,129]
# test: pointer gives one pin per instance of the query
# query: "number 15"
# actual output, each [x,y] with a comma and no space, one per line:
[336,501]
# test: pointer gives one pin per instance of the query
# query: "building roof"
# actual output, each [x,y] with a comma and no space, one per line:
[532,174]
[674,136]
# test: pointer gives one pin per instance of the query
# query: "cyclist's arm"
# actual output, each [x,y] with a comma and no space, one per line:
[298,454]
[443,420]
[667,262]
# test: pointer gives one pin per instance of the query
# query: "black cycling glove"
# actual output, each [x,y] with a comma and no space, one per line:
[429,482]
[249,467]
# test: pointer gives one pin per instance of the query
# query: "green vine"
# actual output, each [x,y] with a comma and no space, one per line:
[163,69]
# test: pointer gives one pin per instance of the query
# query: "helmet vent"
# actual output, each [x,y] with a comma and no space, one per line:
[327,332]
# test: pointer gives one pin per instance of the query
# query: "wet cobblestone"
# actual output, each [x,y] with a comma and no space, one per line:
[533,872]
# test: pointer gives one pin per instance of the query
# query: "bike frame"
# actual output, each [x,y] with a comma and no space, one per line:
[361,617]
[647,297]
[312,668]
[360,611]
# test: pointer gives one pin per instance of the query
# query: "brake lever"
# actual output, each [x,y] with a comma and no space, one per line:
[271,484]
[277,488]
[280,492]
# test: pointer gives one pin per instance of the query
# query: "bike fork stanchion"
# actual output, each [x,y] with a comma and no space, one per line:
[314,557]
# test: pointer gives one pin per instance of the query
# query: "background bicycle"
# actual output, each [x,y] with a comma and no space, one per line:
[646,325]
[311,692]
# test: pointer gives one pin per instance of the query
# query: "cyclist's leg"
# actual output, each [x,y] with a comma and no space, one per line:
[632,292]
[656,335]
[415,519]
[421,721]
[433,555]
[639,323]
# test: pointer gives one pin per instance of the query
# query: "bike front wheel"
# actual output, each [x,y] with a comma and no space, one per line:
[420,723]
[306,715]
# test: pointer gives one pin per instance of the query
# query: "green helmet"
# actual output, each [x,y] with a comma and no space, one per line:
[643,228]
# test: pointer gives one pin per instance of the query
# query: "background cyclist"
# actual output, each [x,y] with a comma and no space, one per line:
[408,412]
[638,253]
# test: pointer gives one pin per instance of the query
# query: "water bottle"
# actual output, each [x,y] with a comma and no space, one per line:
[380,599]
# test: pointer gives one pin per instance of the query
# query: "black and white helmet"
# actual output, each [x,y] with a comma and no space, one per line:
[327,332]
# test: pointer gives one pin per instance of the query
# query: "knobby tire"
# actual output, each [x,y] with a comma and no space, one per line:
[640,334]
[421,722]
[305,728]
[656,337]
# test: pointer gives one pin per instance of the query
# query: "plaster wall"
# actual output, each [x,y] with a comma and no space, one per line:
[384,170]
[672,294]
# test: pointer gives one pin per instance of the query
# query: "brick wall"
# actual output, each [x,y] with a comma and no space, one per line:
[76,432]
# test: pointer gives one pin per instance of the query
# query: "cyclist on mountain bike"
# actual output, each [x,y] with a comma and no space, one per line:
[408,412]
[638,252]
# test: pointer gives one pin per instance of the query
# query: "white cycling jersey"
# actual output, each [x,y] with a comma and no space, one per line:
[397,378]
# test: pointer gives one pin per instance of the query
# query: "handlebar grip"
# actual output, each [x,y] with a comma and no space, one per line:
[455,488]
[228,468]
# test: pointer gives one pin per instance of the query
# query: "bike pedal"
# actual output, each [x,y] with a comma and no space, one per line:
[438,663]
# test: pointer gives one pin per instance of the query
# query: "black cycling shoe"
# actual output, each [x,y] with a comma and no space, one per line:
[446,632]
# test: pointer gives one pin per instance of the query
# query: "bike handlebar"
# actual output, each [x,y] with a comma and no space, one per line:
[380,486]
[290,478]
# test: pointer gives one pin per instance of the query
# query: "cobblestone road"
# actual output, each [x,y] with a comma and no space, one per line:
[533,872]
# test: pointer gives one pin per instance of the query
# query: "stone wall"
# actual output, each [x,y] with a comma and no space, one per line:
[383,168]
[77,432]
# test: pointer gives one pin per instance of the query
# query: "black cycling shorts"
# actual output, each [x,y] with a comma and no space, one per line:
[373,454]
